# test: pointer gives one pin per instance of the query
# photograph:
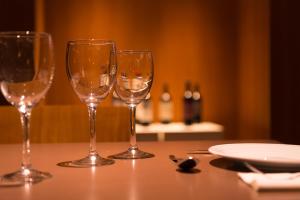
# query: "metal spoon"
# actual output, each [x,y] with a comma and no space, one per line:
[185,164]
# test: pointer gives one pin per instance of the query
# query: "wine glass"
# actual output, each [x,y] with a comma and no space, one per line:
[91,69]
[26,73]
[134,80]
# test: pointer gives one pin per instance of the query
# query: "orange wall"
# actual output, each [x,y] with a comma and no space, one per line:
[254,70]
[195,40]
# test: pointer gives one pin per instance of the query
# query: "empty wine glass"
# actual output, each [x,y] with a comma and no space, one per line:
[134,80]
[26,73]
[91,69]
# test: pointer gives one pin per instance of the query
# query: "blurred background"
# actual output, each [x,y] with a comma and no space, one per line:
[242,53]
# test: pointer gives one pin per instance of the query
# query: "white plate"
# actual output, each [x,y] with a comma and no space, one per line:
[262,154]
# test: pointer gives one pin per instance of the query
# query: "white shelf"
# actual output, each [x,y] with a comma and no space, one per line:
[179,131]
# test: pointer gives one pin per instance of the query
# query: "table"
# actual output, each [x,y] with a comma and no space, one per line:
[144,179]
[179,131]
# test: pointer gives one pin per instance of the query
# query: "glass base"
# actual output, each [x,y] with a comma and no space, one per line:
[92,160]
[23,176]
[132,153]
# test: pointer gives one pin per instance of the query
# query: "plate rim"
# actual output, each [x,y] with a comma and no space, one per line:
[259,161]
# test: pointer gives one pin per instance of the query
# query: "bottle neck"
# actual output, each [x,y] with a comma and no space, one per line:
[196,96]
[165,96]
[196,93]
[188,94]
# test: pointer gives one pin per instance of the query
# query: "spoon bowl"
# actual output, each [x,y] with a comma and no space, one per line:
[185,164]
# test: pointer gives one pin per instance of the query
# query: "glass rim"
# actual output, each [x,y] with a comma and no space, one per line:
[23,34]
[91,41]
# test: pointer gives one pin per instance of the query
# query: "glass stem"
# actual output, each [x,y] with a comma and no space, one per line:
[132,128]
[92,108]
[25,120]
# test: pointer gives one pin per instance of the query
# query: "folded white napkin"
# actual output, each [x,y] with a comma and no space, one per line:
[271,181]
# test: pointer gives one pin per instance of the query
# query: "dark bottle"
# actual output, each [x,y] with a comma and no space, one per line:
[188,104]
[197,105]
[165,106]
